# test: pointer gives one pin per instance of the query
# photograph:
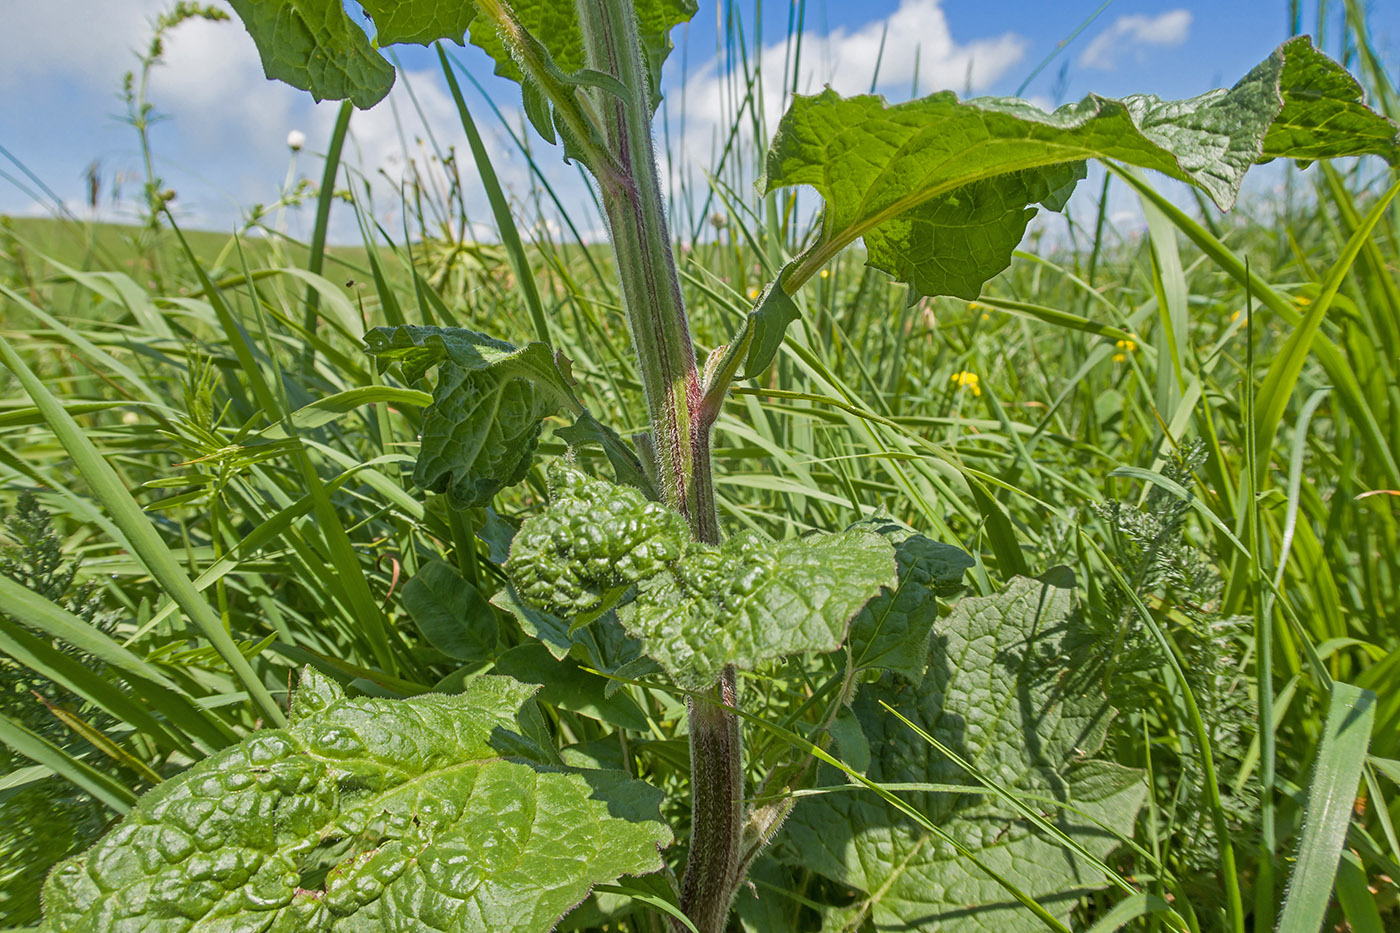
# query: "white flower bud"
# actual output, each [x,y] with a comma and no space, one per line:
[295,140]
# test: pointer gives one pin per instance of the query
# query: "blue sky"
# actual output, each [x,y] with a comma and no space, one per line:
[223,146]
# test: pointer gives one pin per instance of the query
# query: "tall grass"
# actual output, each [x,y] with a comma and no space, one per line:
[1202,420]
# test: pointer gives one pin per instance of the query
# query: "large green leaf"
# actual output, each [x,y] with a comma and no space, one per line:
[431,814]
[481,431]
[892,631]
[314,45]
[942,189]
[696,607]
[1004,691]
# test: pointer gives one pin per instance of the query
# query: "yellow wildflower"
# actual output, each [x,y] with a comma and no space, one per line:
[967,380]
[1302,301]
[1126,346]
[826,273]
[753,294]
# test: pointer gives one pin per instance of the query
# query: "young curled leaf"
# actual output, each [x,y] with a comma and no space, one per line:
[430,813]
[594,539]
[481,431]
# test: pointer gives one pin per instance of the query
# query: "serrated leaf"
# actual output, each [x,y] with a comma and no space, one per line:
[892,631]
[696,607]
[1003,690]
[481,431]
[313,45]
[941,190]
[450,613]
[367,813]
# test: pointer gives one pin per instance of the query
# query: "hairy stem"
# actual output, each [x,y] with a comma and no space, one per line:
[632,200]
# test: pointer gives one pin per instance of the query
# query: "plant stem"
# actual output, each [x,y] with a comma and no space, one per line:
[635,208]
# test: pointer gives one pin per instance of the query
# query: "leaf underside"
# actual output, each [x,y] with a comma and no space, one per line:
[432,813]
[1004,690]
[316,46]
[695,607]
[481,431]
[941,190]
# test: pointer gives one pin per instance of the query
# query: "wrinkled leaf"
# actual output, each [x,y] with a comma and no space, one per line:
[594,540]
[1007,690]
[752,600]
[429,813]
[696,607]
[481,431]
[941,190]
[892,631]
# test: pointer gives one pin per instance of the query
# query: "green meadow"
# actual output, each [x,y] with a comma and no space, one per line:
[1192,426]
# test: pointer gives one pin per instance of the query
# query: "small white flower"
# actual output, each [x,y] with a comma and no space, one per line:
[295,140]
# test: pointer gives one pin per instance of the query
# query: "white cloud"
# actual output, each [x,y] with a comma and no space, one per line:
[89,41]
[917,43]
[1132,33]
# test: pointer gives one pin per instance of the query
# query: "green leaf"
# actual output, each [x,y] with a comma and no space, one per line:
[752,600]
[892,631]
[768,321]
[602,644]
[421,22]
[425,813]
[451,614]
[941,190]
[1324,112]
[556,26]
[481,431]
[565,685]
[697,607]
[313,45]
[1006,691]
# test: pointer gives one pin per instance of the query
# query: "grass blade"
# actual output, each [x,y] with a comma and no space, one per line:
[1340,757]
[505,223]
[41,751]
[127,515]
